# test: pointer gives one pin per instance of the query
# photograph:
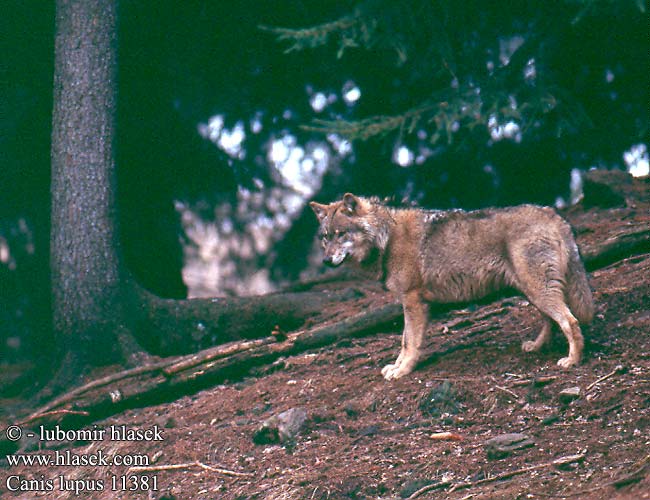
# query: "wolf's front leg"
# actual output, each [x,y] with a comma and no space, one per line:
[415,323]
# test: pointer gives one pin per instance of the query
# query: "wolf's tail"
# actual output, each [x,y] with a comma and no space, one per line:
[578,292]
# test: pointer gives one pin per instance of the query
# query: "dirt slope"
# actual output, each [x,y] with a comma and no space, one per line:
[368,438]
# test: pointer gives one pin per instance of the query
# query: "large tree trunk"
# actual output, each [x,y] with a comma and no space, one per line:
[98,310]
[87,310]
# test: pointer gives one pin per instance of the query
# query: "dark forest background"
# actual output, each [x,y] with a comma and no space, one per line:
[490,105]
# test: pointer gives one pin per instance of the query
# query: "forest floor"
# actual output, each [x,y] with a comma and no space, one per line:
[366,438]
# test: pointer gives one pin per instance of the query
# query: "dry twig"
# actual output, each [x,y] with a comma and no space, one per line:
[534,381]
[446,436]
[618,369]
[187,465]
[504,475]
[508,391]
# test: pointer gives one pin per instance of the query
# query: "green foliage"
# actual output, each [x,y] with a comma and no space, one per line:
[444,44]
[448,113]
[363,28]
[348,29]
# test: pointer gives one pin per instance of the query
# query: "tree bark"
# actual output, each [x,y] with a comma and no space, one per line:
[85,271]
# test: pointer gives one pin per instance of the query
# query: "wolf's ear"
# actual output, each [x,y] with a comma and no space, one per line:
[319,209]
[350,202]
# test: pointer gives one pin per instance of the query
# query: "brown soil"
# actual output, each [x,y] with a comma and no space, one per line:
[368,438]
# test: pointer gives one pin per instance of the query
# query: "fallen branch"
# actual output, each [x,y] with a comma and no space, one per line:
[214,353]
[560,462]
[54,413]
[171,327]
[601,244]
[293,344]
[188,465]
[635,240]
[169,367]
[177,374]
[94,384]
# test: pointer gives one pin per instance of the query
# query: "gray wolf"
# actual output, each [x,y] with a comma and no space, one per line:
[456,256]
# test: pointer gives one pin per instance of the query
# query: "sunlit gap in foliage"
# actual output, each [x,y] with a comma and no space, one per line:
[576,193]
[231,253]
[637,160]
[16,243]
[403,156]
[18,254]
[320,100]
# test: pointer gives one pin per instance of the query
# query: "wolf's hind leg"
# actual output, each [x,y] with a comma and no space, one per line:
[415,322]
[571,329]
[543,337]
[540,275]
[553,306]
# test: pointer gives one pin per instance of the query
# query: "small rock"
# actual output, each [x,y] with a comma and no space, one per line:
[503,445]
[281,428]
[569,394]
[371,430]
[551,419]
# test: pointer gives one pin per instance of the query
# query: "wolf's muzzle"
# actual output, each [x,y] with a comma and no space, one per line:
[329,262]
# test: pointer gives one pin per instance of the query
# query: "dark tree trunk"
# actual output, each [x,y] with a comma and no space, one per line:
[98,309]
[87,310]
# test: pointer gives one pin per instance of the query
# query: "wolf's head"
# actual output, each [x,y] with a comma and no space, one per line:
[353,228]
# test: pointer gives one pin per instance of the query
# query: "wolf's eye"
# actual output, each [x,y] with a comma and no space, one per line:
[339,233]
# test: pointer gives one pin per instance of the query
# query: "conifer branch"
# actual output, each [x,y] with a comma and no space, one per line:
[313,36]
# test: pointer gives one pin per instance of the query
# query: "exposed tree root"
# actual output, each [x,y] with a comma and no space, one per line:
[122,389]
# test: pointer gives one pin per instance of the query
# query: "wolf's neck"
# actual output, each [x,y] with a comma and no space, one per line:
[380,227]
[373,267]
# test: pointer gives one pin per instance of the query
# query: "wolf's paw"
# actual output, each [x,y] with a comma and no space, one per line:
[392,372]
[387,371]
[566,362]
[529,346]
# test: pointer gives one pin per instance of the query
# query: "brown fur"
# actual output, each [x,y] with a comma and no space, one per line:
[451,256]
